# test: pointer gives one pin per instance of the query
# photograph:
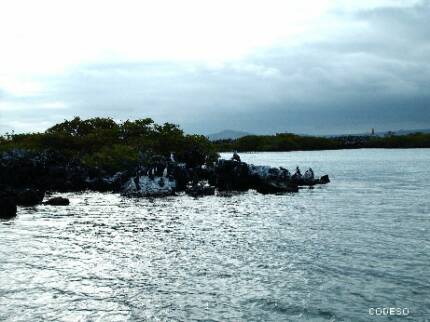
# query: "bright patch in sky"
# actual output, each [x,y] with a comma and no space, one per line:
[46,36]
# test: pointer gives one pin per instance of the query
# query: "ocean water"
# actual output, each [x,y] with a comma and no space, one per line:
[325,254]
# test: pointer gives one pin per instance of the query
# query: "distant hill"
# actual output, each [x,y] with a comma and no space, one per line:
[227,134]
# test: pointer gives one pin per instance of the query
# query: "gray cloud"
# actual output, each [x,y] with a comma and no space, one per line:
[373,72]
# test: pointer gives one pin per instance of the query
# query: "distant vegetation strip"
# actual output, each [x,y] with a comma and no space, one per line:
[293,142]
[104,143]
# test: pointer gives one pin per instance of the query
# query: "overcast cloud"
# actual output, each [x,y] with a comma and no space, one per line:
[316,67]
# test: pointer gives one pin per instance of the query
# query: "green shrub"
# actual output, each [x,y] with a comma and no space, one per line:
[101,142]
[112,159]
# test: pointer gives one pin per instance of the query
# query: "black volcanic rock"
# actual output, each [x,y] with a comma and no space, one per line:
[233,175]
[324,179]
[57,201]
[28,175]
[7,205]
[29,197]
[272,180]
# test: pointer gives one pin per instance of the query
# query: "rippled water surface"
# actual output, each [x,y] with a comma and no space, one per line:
[328,253]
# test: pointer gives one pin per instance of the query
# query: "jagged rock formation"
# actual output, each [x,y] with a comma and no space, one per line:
[145,186]
[235,175]
[25,176]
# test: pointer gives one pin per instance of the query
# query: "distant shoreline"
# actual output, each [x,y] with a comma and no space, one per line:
[102,142]
[288,142]
[316,150]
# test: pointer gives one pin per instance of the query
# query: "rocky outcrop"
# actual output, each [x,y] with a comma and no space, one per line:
[22,197]
[145,186]
[29,174]
[10,198]
[324,179]
[272,180]
[57,201]
[112,183]
[233,175]
[236,175]
[7,205]
[29,197]
[53,171]
[42,170]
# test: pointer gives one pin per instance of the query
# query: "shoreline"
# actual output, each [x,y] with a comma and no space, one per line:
[340,149]
[25,178]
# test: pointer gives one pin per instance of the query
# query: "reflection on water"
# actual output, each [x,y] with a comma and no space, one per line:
[326,253]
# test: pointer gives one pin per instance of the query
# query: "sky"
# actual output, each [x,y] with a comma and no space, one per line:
[309,66]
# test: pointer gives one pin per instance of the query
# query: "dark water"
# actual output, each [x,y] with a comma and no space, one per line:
[323,254]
